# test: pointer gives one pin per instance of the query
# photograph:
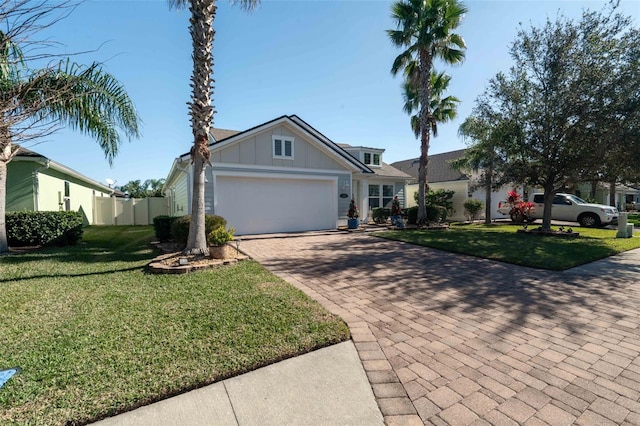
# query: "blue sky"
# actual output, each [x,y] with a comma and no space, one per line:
[326,61]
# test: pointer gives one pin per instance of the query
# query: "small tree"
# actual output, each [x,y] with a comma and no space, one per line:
[472,208]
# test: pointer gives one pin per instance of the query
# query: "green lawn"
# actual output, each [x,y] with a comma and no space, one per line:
[501,242]
[95,335]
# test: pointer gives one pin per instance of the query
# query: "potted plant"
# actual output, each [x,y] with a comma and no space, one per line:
[353,214]
[218,239]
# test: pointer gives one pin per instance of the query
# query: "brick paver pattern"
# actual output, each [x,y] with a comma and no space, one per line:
[451,339]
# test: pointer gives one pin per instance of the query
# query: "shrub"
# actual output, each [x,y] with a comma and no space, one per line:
[380,214]
[472,208]
[43,228]
[441,197]
[434,214]
[162,226]
[412,215]
[353,210]
[180,226]
[220,236]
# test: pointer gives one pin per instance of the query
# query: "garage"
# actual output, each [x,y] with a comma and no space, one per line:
[261,205]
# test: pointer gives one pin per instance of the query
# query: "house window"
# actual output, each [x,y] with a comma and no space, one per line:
[368,157]
[380,195]
[283,147]
[66,189]
[374,196]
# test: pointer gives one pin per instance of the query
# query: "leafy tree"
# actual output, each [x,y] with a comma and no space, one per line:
[560,105]
[424,30]
[200,107]
[482,156]
[148,188]
[35,101]
[472,208]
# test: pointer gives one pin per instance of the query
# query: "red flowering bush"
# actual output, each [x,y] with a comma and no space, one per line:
[520,210]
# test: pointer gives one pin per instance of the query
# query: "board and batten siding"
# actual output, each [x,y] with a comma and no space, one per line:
[180,196]
[258,150]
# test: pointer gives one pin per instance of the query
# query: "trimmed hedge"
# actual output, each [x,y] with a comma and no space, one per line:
[43,228]
[180,226]
[380,214]
[162,227]
[434,214]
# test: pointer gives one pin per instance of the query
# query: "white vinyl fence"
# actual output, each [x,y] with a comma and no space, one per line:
[131,211]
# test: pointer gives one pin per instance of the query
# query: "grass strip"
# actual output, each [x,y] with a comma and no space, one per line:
[503,243]
[95,335]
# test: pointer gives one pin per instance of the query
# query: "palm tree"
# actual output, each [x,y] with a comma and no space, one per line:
[34,102]
[481,156]
[443,109]
[201,109]
[424,30]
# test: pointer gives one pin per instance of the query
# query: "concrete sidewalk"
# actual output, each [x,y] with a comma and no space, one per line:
[327,386]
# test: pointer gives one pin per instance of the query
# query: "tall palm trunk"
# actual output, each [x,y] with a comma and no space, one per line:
[201,111]
[425,65]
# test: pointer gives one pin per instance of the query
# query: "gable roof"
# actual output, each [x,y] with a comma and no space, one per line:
[219,134]
[24,154]
[385,169]
[232,136]
[438,170]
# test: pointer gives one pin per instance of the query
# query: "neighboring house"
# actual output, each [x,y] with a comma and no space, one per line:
[36,183]
[440,175]
[285,176]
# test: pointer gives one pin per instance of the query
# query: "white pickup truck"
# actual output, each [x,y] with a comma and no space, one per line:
[568,207]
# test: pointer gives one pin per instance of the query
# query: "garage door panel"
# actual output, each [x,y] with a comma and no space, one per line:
[265,205]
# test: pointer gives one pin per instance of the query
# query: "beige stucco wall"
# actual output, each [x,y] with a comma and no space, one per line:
[460,194]
[257,150]
[51,194]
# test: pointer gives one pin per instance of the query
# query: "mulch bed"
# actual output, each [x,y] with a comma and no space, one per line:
[170,262]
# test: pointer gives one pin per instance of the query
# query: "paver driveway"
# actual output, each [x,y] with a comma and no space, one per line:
[451,339]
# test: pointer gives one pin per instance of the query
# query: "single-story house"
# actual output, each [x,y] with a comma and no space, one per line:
[440,175]
[37,183]
[285,176]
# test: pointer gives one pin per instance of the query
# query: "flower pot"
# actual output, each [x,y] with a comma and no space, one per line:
[220,252]
[353,223]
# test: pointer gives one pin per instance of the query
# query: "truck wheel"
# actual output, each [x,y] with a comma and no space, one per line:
[589,220]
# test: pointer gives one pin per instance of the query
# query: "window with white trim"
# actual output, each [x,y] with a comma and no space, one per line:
[380,195]
[368,157]
[283,147]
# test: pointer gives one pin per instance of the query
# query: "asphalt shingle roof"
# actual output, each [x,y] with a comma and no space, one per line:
[438,170]
[219,134]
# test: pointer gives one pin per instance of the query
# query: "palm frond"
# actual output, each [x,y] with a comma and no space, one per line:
[86,99]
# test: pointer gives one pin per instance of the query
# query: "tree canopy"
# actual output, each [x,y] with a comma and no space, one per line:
[425,30]
[568,108]
[36,100]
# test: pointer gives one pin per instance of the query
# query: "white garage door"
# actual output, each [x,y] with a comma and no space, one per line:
[265,205]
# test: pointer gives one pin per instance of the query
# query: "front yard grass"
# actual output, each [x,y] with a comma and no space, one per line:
[95,335]
[501,242]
